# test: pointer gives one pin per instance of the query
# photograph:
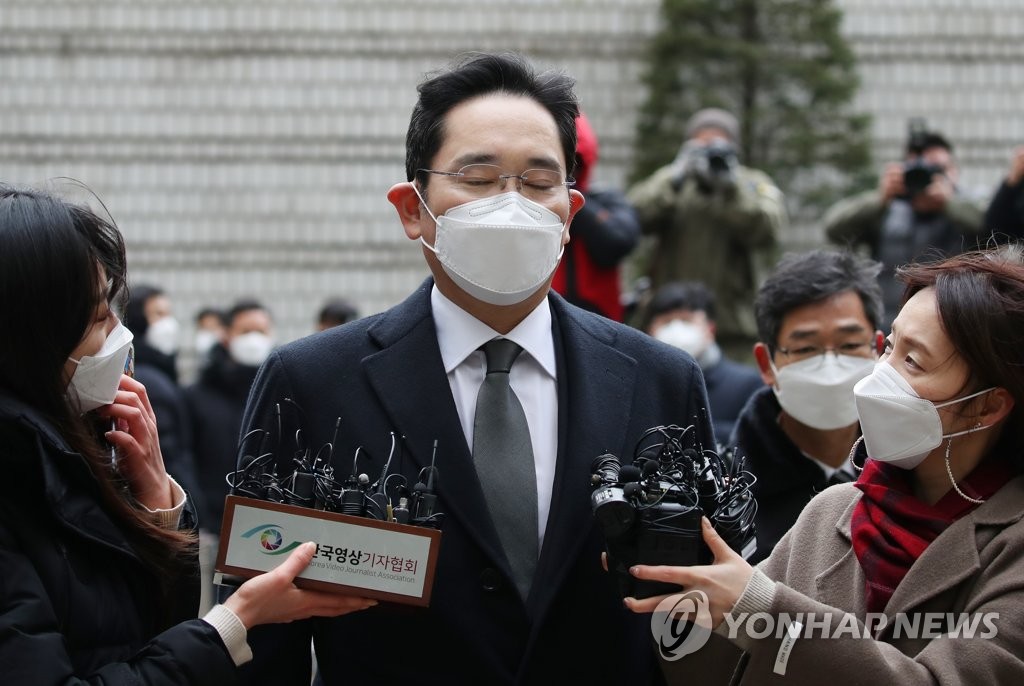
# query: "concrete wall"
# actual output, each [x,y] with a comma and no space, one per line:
[245,146]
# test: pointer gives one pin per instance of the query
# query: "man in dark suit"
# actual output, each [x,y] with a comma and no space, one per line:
[489,196]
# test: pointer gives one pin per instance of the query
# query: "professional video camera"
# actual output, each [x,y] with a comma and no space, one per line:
[650,510]
[312,482]
[918,174]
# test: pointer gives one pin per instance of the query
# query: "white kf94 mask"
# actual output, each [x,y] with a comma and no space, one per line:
[499,249]
[97,377]
[818,391]
[899,426]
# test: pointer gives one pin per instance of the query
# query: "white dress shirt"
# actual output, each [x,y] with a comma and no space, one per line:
[533,378]
[846,468]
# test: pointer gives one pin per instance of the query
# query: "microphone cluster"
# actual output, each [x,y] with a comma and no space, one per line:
[650,510]
[312,481]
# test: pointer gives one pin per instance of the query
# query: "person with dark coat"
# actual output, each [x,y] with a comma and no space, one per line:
[604,232]
[98,574]
[682,314]
[1004,217]
[917,213]
[148,316]
[216,402]
[818,315]
[519,595]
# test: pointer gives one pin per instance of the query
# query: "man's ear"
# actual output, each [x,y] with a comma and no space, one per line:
[405,199]
[763,358]
[576,203]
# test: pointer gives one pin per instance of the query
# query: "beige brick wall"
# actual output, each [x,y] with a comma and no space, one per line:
[245,146]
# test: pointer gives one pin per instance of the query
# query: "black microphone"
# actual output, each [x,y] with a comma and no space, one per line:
[630,472]
[423,493]
[650,469]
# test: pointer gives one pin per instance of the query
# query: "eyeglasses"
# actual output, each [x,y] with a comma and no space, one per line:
[483,180]
[806,352]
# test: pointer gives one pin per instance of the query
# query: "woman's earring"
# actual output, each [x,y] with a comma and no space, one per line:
[949,472]
[853,451]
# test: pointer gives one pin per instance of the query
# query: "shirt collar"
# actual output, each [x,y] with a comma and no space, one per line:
[459,333]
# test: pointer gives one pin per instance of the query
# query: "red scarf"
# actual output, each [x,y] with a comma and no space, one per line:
[891,527]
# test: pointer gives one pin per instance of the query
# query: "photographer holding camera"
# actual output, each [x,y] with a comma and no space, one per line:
[712,220]
[916,213]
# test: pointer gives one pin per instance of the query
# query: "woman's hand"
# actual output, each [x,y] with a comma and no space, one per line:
[723,582]
[139,460]
[271,598]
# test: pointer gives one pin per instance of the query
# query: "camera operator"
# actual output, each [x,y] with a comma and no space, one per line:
[712,220]
[1005,214]
[916,213]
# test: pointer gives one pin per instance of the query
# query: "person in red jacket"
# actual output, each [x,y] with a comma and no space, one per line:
[604,232]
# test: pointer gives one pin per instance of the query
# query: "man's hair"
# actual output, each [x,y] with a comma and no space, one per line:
[243,306]
[683,295]
[337,311]
[212,312]
[135,310]
[476,75]
[803,278]
[926,141]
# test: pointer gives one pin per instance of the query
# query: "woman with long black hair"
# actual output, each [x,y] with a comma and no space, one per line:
[98,572]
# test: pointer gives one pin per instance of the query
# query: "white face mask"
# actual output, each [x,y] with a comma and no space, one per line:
[684,335]
[98,376]
[818,391]
[499,249]
[899,426]
[204,342]
[251,348]
[163,335]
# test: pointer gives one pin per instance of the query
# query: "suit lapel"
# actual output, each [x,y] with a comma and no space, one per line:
[408,377]
[595,397]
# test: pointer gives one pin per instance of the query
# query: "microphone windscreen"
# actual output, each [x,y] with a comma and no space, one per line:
[629,472]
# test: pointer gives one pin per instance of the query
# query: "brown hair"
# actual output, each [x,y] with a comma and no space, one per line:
[980,297]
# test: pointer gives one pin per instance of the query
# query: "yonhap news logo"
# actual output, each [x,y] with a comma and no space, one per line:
[681,624]
[270,539]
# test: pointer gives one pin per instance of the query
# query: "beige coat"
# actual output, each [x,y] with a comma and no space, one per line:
[975,566]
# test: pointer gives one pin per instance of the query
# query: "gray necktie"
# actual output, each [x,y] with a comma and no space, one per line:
[839,477]
[504,463]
